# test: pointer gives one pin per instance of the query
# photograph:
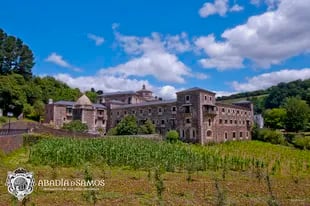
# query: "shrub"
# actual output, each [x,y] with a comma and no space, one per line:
[31,139]
[302,142]
[2,120]
[112,132]
[272,136]
[172,136]
[75,126]
[128,126]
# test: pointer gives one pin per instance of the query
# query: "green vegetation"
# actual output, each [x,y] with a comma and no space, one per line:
[128,126]
[302,142]
[274,118]
[298,113]
[272,136]
[172,136]
[20,91]
[237,173]
[75,126]
[15,56]
[146,154]
[274,96]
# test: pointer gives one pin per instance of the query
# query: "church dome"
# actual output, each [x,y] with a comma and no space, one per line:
[83,100]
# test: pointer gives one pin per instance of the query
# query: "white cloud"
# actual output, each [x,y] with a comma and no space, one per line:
[266,39]
[153,55]
[271,4]
[267,80]
[108,83]
[221,54]
[236,8]
[223,93]
[58,60]
[98,39]
[220,7]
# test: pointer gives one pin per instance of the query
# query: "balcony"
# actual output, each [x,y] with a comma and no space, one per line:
[209,110]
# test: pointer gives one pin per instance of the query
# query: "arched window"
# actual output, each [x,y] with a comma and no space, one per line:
[209,133]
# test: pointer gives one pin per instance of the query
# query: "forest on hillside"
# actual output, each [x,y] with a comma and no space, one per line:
[20,90]
[274,96]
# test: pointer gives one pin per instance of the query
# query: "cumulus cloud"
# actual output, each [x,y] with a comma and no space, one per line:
[108,83]
[236,8]
[153,55]
[220,7]
[97,39]
[58,60]
[266,39]
[266,80]
[271,4]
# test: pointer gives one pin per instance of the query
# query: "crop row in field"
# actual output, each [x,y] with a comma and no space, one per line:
[146,154]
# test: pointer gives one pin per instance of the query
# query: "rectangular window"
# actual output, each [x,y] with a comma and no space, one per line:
[174,109]
[226,121]
[223,110]
[150,111]
[188,121]
[221,121]
[187,109]
[205,97]
[141,111]
[234,134]
[240,134]
[187,98]
[162,121]
[236,121]
[159,110]
[231,121]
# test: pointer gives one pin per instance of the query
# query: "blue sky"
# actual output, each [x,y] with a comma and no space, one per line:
[226,46]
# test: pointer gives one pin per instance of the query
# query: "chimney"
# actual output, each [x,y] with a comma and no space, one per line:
[50,101]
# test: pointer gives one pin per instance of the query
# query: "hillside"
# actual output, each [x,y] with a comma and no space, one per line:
[272,97]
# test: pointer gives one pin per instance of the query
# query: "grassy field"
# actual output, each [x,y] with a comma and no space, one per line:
[145,172]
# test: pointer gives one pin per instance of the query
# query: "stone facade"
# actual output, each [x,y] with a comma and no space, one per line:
[195,114]
[94,115]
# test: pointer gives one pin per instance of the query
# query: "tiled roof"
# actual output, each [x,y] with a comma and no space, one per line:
[117,93]
[242,102]
[66,103]
[196,89]
[70,103]
[231,105]
[148,103]
[99,106]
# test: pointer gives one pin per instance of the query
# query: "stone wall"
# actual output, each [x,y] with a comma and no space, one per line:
[10,143]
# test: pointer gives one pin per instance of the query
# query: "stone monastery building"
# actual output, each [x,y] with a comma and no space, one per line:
[195,114]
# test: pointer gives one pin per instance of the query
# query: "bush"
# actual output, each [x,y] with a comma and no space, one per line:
[272,136]
[172,136]
[302,142]
[127,126]
[31,139]
[75,126]
[2,120]
[112,132]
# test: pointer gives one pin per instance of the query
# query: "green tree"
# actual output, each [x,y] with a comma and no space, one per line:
[15,56]
[127,126]
[298,112]
[75,126]
[150,127]
[92,95]
[274,118]
[172,136]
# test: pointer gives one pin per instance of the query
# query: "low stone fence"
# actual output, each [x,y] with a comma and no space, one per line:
[10,143]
